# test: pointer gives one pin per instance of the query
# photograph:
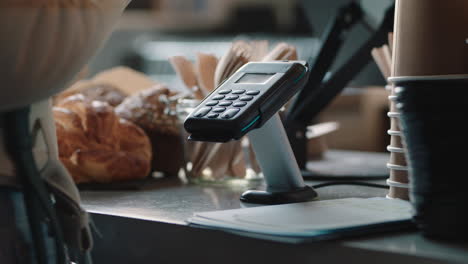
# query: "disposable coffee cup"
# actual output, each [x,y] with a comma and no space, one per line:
[392,107]
[398,159]
[430,38]
[397,167]
[397,184]
[433,117]
[392,104]
[395,149]
[399,176]
[395,124]
[397,190]
[393,114]
[394,133]
[396,141]
[398,193]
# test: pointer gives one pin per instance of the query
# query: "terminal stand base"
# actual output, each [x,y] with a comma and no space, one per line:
[303,194]
[284,182]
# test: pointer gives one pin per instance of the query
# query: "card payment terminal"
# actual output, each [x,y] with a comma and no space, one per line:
[248,102]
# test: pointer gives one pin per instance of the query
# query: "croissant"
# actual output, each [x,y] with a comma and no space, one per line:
[96,145]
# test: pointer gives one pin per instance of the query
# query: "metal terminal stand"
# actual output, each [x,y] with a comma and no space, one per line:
[320,91]
[282,174]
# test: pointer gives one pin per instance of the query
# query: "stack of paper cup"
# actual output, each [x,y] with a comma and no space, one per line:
[398,181]
[430,71]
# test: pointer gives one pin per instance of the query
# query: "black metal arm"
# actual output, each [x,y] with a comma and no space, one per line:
[317,94]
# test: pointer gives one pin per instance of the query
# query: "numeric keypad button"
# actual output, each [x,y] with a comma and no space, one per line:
[219,109]
[246,98]
[230,113]
[225,91]
[202,112]
[252,92]
[232,97]
[218,97]
[239,104]
[225,103]
[238,91]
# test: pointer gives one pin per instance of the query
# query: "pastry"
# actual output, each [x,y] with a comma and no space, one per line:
[151,109]
[148,109]
[98,146]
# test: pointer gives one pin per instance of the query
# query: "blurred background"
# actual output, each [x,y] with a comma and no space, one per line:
[150,31]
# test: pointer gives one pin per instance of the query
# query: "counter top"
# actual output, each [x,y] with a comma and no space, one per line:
[142,224]
[171,202]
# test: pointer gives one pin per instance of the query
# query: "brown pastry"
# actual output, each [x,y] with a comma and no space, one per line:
[151,110]
[96,145]
[94,91]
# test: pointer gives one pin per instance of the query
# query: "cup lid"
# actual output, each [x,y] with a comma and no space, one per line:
[402,79]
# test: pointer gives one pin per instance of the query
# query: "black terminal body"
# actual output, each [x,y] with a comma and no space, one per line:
[246,100]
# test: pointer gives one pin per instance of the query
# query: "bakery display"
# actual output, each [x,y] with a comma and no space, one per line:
[122,125]
[98,146]
[141,101]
